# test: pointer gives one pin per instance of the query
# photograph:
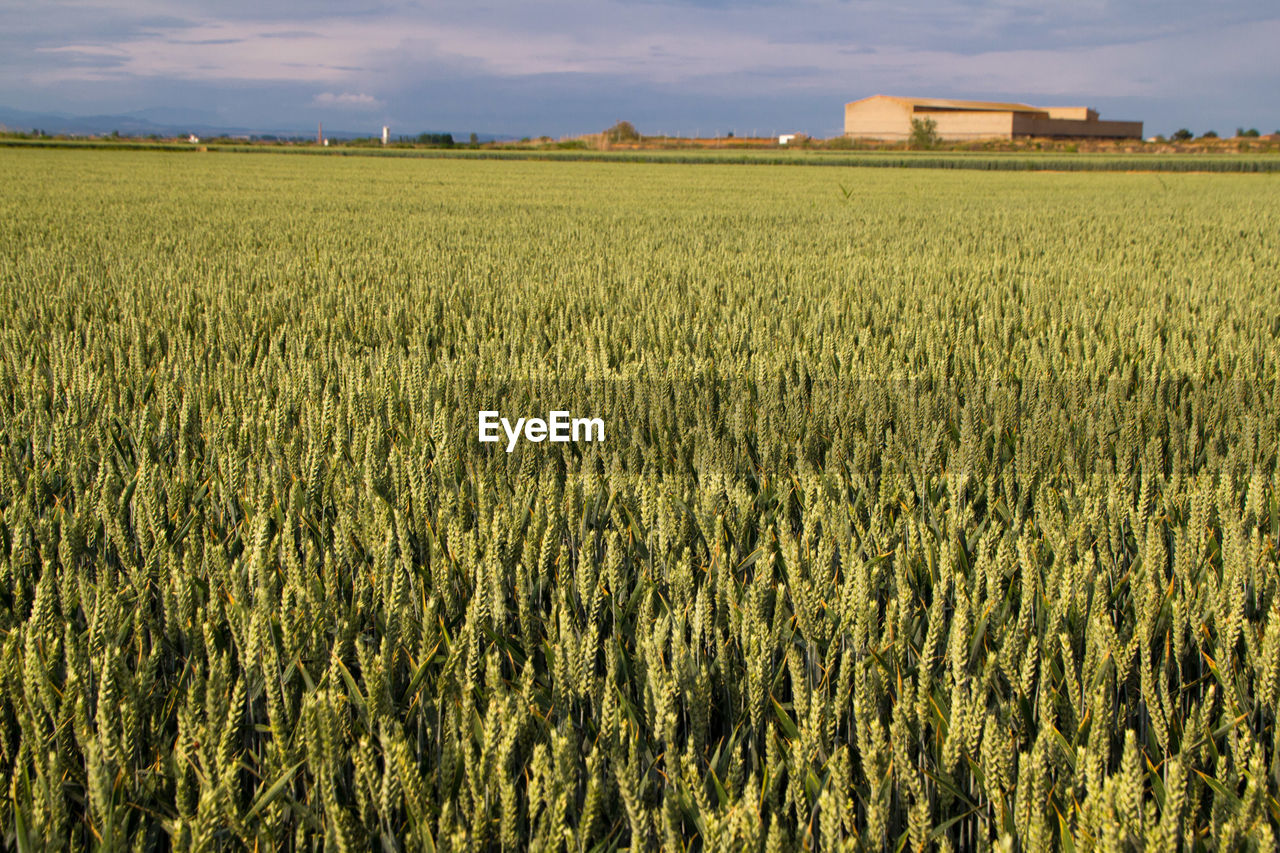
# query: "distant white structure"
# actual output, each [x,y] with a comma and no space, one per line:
[385,136]
[193,139]
[326,143]
[784,138]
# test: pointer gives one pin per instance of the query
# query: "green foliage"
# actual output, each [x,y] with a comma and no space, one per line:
[1182,135]
[805,154]
[435,140]
[623,131]
[945,517]
[924,133]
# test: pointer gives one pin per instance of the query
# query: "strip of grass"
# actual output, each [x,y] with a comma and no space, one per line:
[982,161]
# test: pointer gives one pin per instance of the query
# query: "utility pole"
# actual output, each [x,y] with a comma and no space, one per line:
[319,133]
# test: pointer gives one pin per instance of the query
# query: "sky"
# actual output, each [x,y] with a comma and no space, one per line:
[564,67]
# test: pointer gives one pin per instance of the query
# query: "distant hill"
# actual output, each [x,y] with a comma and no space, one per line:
[169,121]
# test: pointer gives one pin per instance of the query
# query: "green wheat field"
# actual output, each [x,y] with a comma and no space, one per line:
[937,510]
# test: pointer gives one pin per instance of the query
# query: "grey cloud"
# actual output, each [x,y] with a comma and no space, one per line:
[45,24]
[295,10]
[815,55]
[90,59]
[968,28]
[351,68]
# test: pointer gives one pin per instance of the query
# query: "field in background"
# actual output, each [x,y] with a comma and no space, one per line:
[936,507]
[1263,157]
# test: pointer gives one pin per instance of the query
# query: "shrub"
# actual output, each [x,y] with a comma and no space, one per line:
[924,133]
[623,131]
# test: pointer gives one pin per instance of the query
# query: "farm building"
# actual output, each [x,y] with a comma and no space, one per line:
[889,118]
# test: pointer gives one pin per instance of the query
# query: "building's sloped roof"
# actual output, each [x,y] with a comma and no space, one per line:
[952,104]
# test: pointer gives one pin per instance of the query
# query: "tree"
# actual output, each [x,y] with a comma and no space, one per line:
[436,140]
[924,133]
[1181,135]
[475,138]
[1209,134]
[623,131]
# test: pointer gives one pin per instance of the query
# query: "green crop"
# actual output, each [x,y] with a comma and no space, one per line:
[1212,162]
[938,510]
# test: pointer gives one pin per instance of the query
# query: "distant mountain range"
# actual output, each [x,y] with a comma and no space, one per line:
[166,121]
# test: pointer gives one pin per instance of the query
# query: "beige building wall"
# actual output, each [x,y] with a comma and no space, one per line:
[963,124]
[889,118]
[1080,113]
[878,118]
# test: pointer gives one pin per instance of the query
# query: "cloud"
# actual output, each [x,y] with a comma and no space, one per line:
[692,44]
[568,54]
[346,100]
